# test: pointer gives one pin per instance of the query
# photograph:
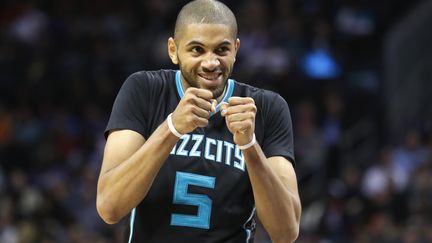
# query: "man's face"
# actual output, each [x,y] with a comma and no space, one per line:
[206,55]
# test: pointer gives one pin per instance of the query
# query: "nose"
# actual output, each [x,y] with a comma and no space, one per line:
[210,62]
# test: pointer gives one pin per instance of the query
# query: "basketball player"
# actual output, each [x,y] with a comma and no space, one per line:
[194,156]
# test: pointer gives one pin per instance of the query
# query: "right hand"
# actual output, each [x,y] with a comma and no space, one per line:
[193,110]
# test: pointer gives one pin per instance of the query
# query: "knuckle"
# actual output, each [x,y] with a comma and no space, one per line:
[193,101]
[240,125]
[208,93]
[232,118]
[190,119]
[189,108]
[201,122]
[251,114]
[195,121]
[191,90]
[187,97]
[205,114]
[187,120]
[205,123]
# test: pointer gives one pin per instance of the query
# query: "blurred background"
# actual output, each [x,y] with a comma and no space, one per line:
[356,74]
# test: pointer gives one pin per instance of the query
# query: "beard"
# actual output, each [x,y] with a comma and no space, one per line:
[192,80]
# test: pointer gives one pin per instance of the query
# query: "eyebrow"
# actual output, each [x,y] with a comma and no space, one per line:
[194,42]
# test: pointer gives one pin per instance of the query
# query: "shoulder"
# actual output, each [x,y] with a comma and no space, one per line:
[261,96]
[151,77]
[147,83]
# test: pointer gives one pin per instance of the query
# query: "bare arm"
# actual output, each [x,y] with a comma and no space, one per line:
[129,167]
[131,163]
[274,186]
[273,179]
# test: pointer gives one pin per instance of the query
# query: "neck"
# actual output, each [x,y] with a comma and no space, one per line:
[219,99]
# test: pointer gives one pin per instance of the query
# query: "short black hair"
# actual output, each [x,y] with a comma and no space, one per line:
[206,12]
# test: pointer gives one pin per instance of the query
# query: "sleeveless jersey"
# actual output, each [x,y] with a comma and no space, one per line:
[202,193]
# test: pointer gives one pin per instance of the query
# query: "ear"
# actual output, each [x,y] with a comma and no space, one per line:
[172,51]
[237,46]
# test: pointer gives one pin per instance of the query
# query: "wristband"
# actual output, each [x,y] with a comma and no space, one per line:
[246,146]
[172,128]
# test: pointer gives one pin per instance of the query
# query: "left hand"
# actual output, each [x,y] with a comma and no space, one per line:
[239,115]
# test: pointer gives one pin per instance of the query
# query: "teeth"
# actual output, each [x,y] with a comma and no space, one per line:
[210,77]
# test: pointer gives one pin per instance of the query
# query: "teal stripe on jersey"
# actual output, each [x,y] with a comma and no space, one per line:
[228,93]
[132,222]
[248,231]
[179,84]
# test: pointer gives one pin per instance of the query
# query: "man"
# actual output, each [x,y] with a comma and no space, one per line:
[193,156]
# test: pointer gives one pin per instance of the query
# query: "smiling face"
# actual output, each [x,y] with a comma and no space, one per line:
[205,54]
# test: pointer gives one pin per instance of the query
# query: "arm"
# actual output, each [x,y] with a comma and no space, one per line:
[129,167]
[273,179]
[130,163]
[275,191]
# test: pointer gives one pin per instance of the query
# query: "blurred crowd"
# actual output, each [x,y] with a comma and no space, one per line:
[63,62]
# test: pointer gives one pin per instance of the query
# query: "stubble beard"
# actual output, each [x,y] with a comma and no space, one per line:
[194,83]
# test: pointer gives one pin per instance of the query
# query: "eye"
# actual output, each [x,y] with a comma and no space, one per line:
[197,50]
[223,50]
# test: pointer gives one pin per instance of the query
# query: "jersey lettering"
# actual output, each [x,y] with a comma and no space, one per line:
[229,147]
[173,150]
[194,151]
[203,202]
[197,145]
[219,151]
[240,164]
[207,154]
[181,150]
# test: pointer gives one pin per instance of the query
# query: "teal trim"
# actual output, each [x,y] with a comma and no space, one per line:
[248,231]
[132,222]
[228,93]
[179,85]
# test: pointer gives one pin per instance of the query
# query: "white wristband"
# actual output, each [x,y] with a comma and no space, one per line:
[246,146]
[172,128]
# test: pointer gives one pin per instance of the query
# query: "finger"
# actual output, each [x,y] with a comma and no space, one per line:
[223,108]
[200,112]
[235,100]
[240,126]
[202,103]
[200,122]
[214,104]
[202,93]
[240,109]
[240,117]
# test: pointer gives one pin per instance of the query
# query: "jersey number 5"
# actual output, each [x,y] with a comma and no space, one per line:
[203,202]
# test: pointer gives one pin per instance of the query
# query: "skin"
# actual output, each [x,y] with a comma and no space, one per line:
[206,55]
[206,61]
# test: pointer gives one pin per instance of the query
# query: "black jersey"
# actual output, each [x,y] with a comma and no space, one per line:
[202,193]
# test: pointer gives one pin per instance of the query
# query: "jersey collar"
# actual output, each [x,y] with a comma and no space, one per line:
[228,92]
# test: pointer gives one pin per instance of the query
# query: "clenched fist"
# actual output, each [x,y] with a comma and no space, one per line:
[193,110]
[239,115]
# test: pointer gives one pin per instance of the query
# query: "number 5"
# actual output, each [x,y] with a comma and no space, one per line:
[203,202]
